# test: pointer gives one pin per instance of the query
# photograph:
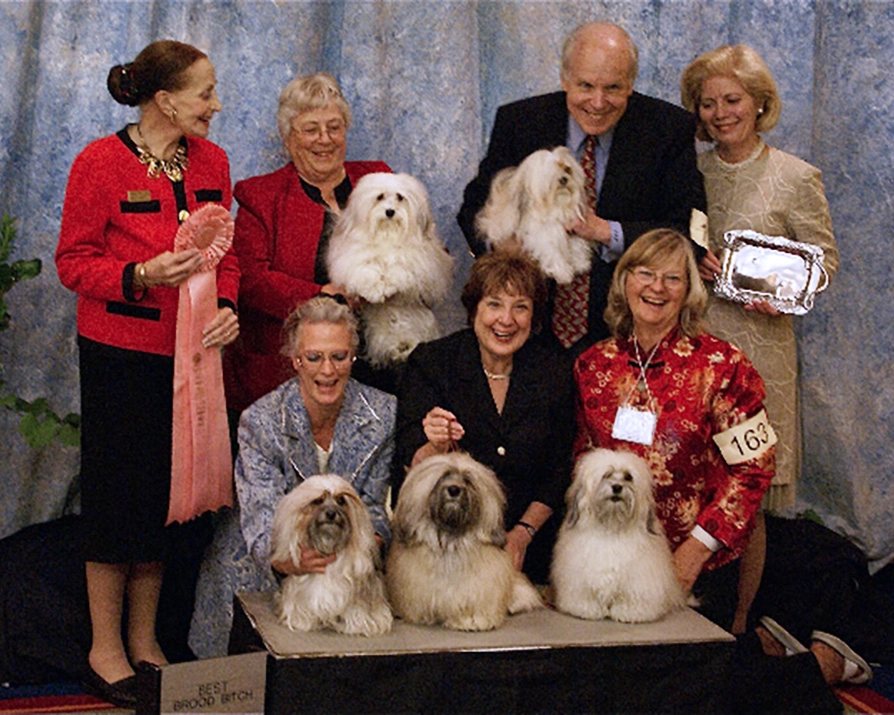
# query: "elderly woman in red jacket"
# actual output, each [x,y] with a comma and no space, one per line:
[127,196]
[283,227]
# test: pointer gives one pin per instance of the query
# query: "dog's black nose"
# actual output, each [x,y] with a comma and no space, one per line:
[563,180]
[616,488]
[453,491]
[389,213]
[330,514]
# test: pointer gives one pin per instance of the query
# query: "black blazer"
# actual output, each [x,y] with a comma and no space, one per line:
[528,445]
[651,181]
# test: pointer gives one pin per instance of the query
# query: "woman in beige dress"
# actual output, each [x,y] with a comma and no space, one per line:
[751,185]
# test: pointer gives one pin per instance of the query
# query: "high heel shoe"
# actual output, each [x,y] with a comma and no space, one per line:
[122,693]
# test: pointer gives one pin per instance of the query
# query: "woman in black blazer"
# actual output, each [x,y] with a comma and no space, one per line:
[506,400]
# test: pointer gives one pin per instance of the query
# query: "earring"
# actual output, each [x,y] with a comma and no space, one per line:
[173,116]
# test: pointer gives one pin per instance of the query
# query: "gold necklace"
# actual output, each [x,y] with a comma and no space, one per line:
[173,168]
[495,375]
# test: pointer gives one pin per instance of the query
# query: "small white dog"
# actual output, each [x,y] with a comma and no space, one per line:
[385,249]
[535,203]
[612,559]
[447,564]
[325,513]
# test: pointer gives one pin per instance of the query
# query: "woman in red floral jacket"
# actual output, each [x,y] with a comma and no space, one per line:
[690,404]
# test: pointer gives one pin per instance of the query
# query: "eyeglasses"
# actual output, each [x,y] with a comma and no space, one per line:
[341,360]
[671,281]
[312,132]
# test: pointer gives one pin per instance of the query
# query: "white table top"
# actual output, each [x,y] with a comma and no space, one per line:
[540,629]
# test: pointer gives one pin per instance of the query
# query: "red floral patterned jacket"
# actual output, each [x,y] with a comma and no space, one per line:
[701,386]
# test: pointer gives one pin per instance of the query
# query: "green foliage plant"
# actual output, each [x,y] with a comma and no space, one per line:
[38,424]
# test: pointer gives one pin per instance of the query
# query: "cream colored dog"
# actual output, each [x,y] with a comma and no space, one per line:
[447,564]
[325,513]
[385,249]
[535,203]
[612,559]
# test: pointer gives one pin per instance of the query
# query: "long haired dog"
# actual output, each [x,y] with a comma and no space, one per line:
[612,559]
[325,513]
[447,564]
[535,203]
[385,249]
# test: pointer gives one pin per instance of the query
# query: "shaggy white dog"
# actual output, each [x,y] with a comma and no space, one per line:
[447,564]
[385,249]
[325,513]
[612,559]
[535,203]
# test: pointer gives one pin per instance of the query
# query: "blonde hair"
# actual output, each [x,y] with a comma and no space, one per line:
[302,94]
[654,249]
[738,62]
[322,308]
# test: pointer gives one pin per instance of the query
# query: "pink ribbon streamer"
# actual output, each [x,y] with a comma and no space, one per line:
[201,461]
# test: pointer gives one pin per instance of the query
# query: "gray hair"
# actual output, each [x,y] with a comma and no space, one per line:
[302,94]
[322,308]
[578,34]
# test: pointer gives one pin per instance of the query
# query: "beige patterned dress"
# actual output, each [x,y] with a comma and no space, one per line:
[776,194]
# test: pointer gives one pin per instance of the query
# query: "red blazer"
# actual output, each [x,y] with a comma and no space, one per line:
[115,216]
[277,233]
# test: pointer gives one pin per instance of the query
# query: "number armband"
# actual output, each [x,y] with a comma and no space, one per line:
[746,440]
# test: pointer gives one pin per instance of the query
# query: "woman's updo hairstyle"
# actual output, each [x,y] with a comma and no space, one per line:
[161,65]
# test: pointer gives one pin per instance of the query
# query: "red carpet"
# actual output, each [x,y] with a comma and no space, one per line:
[859,699]
[58,698]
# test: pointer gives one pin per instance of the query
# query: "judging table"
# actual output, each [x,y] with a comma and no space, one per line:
[542,661]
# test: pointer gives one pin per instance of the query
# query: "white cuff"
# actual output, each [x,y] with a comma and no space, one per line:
[707,539]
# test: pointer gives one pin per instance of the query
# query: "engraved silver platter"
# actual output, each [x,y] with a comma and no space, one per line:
[787,274]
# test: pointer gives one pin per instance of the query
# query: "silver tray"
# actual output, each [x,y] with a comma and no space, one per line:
[787,274]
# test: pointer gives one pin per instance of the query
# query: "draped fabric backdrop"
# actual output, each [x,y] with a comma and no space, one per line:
[424,79]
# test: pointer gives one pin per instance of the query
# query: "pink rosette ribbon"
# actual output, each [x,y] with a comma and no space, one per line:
[201,461]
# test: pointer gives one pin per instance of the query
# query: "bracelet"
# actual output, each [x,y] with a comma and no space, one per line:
[532,532]
[141,275]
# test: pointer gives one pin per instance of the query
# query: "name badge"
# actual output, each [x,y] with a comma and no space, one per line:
[139,197]
[632,425]
[746,440]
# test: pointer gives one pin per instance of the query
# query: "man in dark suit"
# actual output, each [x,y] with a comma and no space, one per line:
[644,152]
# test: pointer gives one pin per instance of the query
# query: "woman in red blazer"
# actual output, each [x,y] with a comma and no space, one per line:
[127,195]
[282,231]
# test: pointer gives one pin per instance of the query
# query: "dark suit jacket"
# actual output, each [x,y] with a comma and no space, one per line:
[528,445]
[651,181]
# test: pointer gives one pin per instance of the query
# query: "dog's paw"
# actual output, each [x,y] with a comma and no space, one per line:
[479,621]
[524,596]
[358,621]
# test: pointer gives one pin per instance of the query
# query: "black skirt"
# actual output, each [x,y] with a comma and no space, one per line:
[126,418]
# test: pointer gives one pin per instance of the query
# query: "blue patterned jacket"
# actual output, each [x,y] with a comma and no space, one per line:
[276,453]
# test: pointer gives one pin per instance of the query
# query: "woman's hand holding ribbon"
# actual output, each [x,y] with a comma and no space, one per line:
[223,330]
[171,269]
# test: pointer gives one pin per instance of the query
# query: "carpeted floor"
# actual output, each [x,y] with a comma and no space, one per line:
[54,698]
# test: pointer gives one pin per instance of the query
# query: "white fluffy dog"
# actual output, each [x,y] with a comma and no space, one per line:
[534,203]
[385,249]
[612,559]
[325,513]
[447,564]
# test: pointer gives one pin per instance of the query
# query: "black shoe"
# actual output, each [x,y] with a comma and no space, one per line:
[122,693]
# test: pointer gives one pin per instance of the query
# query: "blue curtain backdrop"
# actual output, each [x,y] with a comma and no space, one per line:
[424,79]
